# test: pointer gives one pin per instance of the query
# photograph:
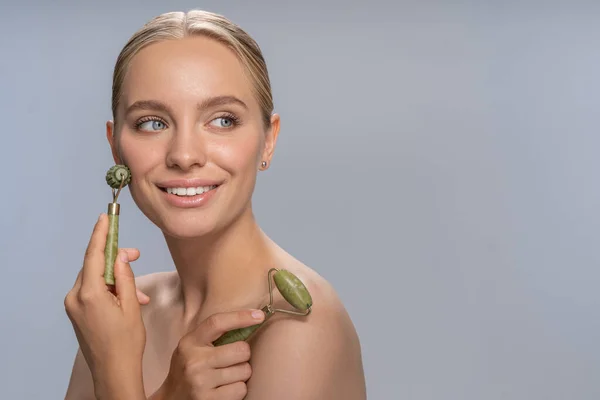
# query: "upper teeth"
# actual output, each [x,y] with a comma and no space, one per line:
[191,191]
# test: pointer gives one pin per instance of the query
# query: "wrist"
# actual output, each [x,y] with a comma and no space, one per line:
[126,391]
[120,384]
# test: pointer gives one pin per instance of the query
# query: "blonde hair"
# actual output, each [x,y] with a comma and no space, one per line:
[177,25]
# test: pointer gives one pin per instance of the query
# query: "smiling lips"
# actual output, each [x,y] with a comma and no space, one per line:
[188,193]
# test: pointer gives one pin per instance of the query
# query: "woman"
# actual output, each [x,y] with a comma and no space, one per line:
[193,119]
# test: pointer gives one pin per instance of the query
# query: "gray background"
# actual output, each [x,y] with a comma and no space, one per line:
[437,163]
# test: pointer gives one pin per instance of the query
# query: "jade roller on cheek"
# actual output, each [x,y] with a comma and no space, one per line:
[117,178]
[292,290]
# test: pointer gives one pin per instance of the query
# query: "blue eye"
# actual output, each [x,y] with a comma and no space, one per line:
[151,125]
[227,121]
[223,122]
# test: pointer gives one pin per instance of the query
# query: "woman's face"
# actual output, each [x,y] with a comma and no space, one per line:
[190,129]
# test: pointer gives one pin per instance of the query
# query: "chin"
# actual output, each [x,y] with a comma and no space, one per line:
[194,232]
[187,226]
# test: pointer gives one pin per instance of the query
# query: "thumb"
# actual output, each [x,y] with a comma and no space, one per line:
[125,283]
[142,297]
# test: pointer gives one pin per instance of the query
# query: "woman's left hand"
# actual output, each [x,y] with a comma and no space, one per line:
[108,324]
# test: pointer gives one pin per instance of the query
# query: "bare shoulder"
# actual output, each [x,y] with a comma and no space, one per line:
[322,349]
[163,288]
[160,287]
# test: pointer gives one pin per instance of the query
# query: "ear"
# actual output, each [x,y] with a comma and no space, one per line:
[110,130]
[270,140]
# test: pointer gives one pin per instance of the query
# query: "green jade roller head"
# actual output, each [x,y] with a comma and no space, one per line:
[117,177]
[293,291]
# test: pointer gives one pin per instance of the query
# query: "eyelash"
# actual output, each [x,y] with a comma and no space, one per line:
[234,119]
[147,119]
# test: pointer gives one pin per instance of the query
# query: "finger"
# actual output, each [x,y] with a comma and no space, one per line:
[237,390]
[142,297]
[133,254]
[214,326]
[230,354]
[125,283]
[93,263]
[236,373]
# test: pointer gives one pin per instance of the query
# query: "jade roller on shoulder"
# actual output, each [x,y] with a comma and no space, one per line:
[293,291]
[117,177]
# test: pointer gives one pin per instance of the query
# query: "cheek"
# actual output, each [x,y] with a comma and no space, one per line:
[139,157]
[239,158]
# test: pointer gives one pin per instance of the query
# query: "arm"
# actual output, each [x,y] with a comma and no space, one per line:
[317,358]
[81,385]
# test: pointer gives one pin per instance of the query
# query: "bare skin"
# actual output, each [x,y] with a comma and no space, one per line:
[220,253]
[322,349]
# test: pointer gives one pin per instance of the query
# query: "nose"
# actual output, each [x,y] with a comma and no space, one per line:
[186,149]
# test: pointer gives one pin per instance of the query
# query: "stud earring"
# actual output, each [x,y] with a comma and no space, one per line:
[264,164]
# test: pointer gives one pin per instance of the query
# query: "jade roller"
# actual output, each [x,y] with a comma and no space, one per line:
[293,291]
[117,177]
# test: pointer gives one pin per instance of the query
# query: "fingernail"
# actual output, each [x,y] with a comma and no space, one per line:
[123,256]
[99,217]
[258,314]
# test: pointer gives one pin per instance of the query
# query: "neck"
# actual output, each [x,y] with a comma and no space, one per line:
[225,270]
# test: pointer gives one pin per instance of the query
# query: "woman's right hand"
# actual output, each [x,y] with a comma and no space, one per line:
[201,371]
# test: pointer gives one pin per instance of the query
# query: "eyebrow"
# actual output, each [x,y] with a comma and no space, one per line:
[207,103]
[148,105]
[221,101]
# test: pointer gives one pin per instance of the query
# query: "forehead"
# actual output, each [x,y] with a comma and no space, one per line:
[185,70]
